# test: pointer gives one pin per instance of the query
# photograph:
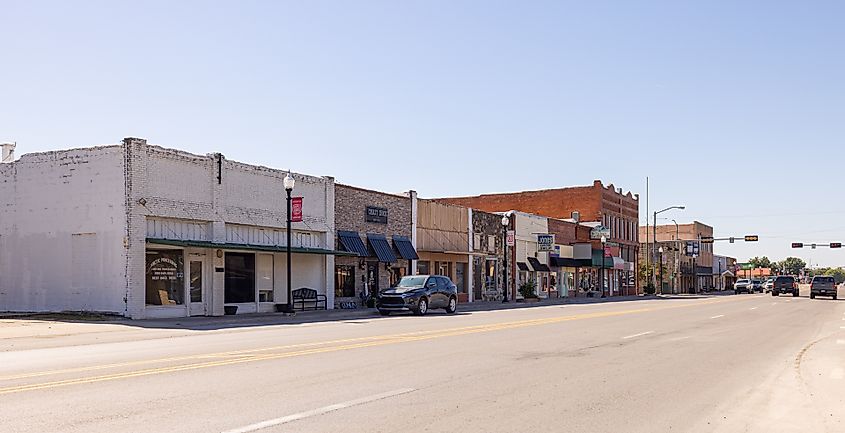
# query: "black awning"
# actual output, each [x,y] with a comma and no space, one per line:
[381,248]
[350,241]
[405,247]
[522,266]
[539,267]
[566,262]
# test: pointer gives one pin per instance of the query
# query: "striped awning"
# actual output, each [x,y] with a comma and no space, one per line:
[350,241]
[381,247]
[405,248]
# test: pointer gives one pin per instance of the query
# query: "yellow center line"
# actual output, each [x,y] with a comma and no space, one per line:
[253,355]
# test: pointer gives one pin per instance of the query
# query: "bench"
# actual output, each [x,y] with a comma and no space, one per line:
[308,298]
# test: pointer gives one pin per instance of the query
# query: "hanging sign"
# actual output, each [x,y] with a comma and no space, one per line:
[511,237]
[296,209]
[545,242]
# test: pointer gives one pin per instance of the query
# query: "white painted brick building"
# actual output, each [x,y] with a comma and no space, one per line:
[144,231]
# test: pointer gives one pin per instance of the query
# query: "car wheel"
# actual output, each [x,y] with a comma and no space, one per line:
[774,293]
[834,297]
[422,307]
[453,305]
[795,294]
[736,292]
[812,296]
[384,312]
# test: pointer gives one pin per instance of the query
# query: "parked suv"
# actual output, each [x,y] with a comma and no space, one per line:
[823,285]
[742,285]
[419,293]
[769,285]
[784,284]
[756,285]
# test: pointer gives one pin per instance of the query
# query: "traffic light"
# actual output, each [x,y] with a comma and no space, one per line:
[836,245]
[751,238]
[797,245]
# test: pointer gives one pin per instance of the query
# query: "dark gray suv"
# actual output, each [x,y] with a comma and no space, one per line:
[419,293]
[823,285]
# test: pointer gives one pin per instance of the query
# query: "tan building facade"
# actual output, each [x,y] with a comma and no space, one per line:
[683,273]
[444,243]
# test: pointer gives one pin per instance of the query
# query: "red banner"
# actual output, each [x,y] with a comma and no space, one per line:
[296,209]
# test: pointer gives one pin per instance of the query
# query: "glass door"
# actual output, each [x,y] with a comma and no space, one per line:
[197,284]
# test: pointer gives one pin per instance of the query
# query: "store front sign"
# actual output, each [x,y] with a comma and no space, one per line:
[545,242]
[598,231]
[376,215]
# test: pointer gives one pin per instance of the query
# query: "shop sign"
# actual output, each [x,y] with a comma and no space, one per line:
[511,238]
[545,242]
[296,209]
[164,269]
[376,215]
[598,231]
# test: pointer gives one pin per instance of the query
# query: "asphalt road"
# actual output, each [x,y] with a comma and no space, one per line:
[724,364]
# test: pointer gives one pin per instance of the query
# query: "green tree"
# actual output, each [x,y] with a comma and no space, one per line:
[792,265]
[838,274]
[761,262]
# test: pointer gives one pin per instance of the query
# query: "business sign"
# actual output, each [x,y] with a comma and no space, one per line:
[745,266]
[296,209]
[511,238]
[376,215]
[545,242]
[598,231]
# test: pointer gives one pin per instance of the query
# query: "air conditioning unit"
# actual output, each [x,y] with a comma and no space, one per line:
[7,152]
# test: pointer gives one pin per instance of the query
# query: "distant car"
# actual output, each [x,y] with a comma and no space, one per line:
[742,286]
[784,284]
[823,285]
[756,285]
[769,284]
[419,294]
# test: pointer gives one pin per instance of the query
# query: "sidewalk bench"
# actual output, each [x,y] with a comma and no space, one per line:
[308,298]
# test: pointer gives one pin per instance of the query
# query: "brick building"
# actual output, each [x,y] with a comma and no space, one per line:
[386,221]
[145,231]
[487,256]
[604,204]
[683,273]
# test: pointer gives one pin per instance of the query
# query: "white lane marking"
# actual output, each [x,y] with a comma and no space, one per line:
[716,317]
[840,341]
[319,411]
[753,308]
[638,335]
[680,338]
[837,373]
[774,303]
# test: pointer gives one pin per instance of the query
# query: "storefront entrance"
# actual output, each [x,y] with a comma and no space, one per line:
[198,284]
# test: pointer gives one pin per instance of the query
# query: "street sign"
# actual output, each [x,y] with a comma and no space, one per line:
[745,266]
[797,245]
[296,209]
[707,239]
[751,238]
[545,242]
[510,238]
[598,231]
[836,245]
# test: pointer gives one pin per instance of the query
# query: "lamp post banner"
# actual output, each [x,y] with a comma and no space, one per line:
[511,237]
[296,209]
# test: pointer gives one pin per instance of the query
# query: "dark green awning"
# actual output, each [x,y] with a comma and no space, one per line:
[229,246]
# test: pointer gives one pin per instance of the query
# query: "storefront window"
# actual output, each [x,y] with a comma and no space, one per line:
[344,281]
[165,277]
[240,278]
[460,277]
[423,267]
[396,274]
[196,281]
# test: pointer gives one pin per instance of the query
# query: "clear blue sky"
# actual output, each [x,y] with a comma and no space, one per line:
[734,109]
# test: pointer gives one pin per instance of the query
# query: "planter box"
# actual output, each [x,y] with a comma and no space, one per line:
[530,300]
[230,310]
[463,297]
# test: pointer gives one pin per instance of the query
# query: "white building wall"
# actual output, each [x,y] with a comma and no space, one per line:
[62,227]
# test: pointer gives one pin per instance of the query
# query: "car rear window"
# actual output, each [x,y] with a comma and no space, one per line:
[823,279]
[785,280]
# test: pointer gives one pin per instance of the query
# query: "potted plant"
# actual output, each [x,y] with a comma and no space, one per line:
[528,290]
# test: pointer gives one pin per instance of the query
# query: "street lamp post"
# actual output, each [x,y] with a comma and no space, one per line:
[654,232]
[505,222]
[601,273]
[289,183]
[694,275]
[660,268]
[677,257]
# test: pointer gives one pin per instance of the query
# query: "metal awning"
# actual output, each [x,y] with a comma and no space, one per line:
[351,242]
[539,267]
[405,248]
[381,247]
[522,266]
[248,247]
